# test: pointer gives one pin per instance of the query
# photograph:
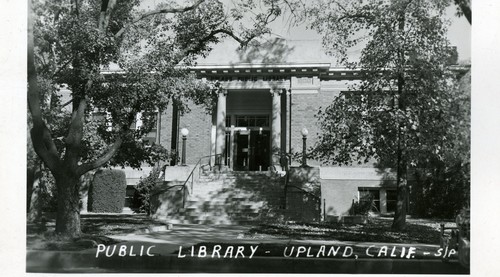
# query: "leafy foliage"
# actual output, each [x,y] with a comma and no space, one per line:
[143,190]
[71,43]
[406,111]
[74,42]
[107,191]
[363,118]
[363,206]
[440,192]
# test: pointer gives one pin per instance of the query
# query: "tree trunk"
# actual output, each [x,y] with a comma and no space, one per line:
[399,222]
[34,194]
[68,206]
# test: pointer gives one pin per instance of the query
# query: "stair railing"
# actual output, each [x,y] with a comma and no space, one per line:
[287,185]
[186,189]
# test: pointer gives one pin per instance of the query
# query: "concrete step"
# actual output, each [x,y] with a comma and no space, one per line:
[230,198]
[221,209]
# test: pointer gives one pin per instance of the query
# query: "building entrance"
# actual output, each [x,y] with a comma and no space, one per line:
[251,150]
[248,143]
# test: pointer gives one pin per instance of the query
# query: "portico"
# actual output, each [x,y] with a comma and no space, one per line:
[248,128]
[249,122]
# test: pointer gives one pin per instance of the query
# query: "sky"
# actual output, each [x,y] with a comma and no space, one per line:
[306,43]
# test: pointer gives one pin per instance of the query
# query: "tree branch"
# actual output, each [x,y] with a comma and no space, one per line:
[106,7]
[155,12]
[86,167]
[75,132]
[67,103]
[40,135]
[58,70]
[102,160]
[465,8]
[197,46]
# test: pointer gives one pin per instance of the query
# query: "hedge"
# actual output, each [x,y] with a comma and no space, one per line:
[107,191]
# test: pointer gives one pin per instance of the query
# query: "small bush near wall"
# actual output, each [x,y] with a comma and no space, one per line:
[107,191]
[363,206]
[142,195]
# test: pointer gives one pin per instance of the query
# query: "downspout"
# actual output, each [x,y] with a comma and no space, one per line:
[158,128]
[290,125]
[158,131]
[174,133]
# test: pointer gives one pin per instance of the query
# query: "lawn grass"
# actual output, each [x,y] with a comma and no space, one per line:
[378,229]
[96,229]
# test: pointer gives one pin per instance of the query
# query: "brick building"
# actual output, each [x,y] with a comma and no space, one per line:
[261,112]
[262,107]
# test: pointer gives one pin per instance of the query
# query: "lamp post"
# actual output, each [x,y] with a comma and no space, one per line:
[184,133]
[304,138]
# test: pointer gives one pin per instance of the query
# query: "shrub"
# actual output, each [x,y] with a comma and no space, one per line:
[143,191]
[107,191]
[362,207]
[440,192]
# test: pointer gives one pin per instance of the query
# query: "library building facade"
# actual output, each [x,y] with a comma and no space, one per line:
[265,114]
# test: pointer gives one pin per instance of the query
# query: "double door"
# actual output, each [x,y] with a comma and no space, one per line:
[251,150]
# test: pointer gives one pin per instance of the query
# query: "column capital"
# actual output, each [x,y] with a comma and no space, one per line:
[222,91]
[277,90]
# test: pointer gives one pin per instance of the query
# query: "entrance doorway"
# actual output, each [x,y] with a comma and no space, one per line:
[251,150]
[248,142]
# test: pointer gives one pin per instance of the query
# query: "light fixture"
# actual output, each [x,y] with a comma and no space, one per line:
[184,132]
[304,132]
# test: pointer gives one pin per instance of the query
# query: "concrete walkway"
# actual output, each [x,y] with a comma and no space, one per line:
[213,249]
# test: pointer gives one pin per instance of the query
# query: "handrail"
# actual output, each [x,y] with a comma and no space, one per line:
[287,185]
[163,190]
[184,184]
[191,174]
[196,165]
[317,198]
[307,192]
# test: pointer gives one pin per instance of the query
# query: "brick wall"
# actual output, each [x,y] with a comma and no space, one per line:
[305,106]
[304,109]
[199,124]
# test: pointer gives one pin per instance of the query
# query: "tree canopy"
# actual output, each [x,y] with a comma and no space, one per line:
[73,44]
[406,112]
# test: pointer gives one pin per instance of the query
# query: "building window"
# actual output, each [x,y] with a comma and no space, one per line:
[104,117]
[151,118]
[150,137]
[370,195]
[392,200]
[252,121]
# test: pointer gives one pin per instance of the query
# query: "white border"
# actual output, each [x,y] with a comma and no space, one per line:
[485,135]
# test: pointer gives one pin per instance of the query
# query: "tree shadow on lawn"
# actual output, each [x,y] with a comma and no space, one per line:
[95,229]
[377,230]
[115,224]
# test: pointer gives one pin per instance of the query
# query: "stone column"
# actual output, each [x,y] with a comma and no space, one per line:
[220,139]
[276,126]
[213,136]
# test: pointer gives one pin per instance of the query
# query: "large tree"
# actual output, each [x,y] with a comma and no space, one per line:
[405,112]
[72,42]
